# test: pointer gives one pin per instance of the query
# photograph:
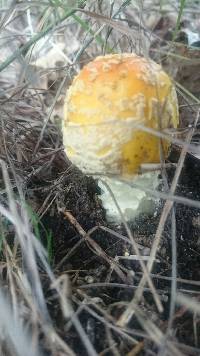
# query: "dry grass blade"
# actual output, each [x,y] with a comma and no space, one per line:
[26,240]
[125,317]
[112,23]
[136,249]
[13,330]
[189,303]
[160,134]
[166,196]
[49,115]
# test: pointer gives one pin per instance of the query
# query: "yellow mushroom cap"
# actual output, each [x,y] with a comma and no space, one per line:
[107,101]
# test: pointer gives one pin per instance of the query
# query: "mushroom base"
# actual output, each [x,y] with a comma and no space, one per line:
[131,200]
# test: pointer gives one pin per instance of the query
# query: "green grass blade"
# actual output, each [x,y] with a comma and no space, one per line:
[182,5]
[86,27]
[33,40]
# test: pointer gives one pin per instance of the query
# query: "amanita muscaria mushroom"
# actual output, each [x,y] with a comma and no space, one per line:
[105,107]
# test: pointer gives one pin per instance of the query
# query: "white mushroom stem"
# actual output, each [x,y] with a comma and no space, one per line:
[132,201]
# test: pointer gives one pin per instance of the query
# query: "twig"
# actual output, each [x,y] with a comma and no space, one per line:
[96,248]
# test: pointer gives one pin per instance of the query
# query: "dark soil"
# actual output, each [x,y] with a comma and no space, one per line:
[53,187]
[86,266]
